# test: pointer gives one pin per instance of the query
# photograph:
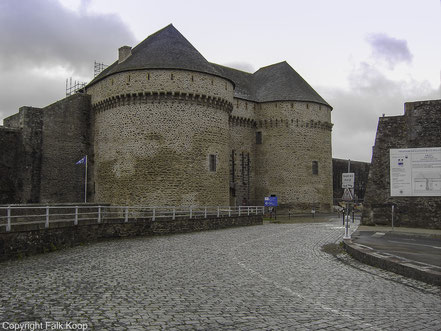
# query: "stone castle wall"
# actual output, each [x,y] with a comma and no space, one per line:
[48,143]
[29,122]
[11,151]
[419,127]
[294,135]
[153,143]
[65,140]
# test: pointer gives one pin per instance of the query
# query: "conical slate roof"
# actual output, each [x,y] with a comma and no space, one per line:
[281,82]
[168,49]
[165,49]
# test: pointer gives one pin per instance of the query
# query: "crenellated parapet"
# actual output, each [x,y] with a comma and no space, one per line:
[242,121]
[151,97]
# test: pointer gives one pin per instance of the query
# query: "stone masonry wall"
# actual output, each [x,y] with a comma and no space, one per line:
[419,127]
[294,134]
[242,153]
[29,121]
[152,147]
[34,240]
[65,140]
[11,149]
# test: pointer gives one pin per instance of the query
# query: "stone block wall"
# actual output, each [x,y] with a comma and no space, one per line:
[420,126]
[11,151]
[34,240]
[29,122]
[65,140]
[294,135]
[153,145]
[48,143]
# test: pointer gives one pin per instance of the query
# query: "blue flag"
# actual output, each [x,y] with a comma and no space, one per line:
[82,161]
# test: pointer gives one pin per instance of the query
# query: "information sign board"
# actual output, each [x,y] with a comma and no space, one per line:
[415,172]
[271,202]
[347,180]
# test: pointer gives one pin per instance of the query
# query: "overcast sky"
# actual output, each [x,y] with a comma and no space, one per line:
[364,57]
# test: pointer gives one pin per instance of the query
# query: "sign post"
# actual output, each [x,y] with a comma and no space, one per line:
[347,182]
[273,203]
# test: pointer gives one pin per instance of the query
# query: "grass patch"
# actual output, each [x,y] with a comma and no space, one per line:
[333,249]
[285,219]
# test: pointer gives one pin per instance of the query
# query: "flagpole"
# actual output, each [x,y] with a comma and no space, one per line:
[85,183]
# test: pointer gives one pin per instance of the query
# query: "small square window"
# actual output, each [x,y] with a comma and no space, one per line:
[212,162]
[259,137]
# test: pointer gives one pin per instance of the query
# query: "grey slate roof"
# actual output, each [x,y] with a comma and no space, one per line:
[168,49]
[165,49]
[243,81]
[281,82]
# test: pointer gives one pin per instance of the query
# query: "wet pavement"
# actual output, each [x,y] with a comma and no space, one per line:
[266,277]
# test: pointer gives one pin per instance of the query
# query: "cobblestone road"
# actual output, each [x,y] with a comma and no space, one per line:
[269,277]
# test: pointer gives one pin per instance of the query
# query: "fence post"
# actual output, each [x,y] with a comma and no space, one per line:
[154,214]
[256,209]
[248,210]
[8,225]
[218,212]
[46,225]
[174,213]
[99,214]
[229,211]
[191,212]
[205,212]
[126,216]
[76,215]
[239,210]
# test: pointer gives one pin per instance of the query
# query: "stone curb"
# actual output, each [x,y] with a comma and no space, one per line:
[408,268]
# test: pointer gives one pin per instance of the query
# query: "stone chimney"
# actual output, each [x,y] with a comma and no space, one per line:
[124,53]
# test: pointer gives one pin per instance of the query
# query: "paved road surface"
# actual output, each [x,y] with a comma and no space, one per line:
[414,247]
[269,277]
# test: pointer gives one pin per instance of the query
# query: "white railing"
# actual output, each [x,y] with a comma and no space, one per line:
[89,214]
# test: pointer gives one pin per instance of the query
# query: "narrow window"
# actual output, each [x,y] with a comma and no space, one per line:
[307,106]
[232,166]
[212,161]
[172,76]
[315,167]
[128,79]
[242,166]
[148,76]
[259,137]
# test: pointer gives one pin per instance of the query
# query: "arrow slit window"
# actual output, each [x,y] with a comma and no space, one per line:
[315,167]
[212,162]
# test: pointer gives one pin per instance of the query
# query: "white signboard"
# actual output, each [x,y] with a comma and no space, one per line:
[415,172]
[347,180]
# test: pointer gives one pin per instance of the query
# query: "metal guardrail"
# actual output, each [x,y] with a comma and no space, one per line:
[17,215]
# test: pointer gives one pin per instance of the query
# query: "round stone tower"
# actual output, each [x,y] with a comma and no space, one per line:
[161,126]
[293,154]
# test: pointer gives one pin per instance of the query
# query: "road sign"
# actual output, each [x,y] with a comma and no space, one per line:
[270,201]
[347,180]
[347,195]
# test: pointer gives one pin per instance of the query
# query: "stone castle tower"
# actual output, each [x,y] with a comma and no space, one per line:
[167,127]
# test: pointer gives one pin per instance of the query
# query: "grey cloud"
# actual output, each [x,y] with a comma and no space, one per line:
[38,37]
[389,49]
[42,33]
[244,66]
[356,111]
